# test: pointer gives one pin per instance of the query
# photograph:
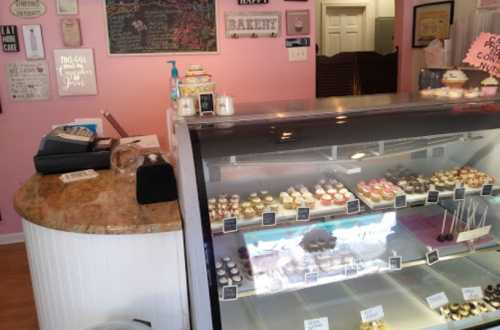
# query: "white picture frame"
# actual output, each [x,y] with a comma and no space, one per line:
[33,42]
[75,71]
[67,7]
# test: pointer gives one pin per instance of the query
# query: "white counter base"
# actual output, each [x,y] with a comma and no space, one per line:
[81,280]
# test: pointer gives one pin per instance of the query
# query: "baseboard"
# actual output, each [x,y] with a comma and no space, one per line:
[11,238]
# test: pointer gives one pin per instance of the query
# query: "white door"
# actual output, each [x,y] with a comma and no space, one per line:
[343,29]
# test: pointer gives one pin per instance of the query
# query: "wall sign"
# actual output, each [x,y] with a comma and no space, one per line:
[28,80]
[33,42]
[161,26]
[67,7]
[484,53]
[432,21]
[10,39]
[253,24]
[70,28]
[297,22]
[75,72]
[252,2]
[488,3]
[27,8]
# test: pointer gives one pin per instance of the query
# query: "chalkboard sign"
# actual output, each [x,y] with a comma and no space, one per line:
[206,102]
[487,190]
[303,214]
[230,225]
[459,194]
[161,26]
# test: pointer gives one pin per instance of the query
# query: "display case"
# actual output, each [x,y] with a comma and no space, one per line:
[377,212]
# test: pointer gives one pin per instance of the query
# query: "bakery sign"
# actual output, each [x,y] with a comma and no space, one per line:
[253,24]
[28,8]
[485,53]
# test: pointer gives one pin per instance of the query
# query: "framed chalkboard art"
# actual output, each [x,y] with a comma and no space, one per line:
[141,27]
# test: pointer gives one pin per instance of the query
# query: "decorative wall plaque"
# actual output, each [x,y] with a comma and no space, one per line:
[28,80]
[75,71]
[70,28]
[33,42]
[27,8]
[10,39]
[253,24]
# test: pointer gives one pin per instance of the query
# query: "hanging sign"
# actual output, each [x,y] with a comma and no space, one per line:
[253,24]
[10,39]
[28,8]
[485,53]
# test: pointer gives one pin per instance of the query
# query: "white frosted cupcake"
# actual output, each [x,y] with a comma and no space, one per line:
[489,86]
[454,78]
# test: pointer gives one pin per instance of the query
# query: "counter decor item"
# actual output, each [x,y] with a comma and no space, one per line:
[126,159]
[432,21]
[196,81]
[156,27]
[186,106]
[489,86]
[155,180]
[225,105]
[174,82]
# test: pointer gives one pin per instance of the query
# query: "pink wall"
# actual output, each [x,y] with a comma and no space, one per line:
[135,88]
[403,39]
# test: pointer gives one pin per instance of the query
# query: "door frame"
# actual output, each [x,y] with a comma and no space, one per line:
[368,37]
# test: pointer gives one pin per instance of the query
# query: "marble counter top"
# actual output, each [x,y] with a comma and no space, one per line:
[104,205]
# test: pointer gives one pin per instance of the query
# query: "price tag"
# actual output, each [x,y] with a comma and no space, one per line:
[400,202]
[437,300]
[473,234]
[395,263]
[230,225]
[487,190]
[311,277]
[303,214]
[432,197]
[372,314]
[269,219]
[432,257]
[474,293]
[459,194]
[353,206]
[230,293]
[317,324]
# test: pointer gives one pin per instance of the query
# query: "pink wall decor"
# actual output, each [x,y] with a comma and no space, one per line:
[135,88]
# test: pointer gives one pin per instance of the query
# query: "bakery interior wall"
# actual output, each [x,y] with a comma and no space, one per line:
[135,88]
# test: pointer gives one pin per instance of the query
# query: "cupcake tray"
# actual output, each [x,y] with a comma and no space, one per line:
[286,215]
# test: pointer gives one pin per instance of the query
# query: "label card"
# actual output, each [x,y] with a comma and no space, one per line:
[487,190]
[206,103]
[372,314]
[303,214]
[471,235]
[351,270]
[311,277]
[437,300]
[395,263]
[432,197]
[230,225]
[268,219]
[353,206]
[400,202]
[230,293]
[459,194]
[432,257]
[317,324]
[474,293]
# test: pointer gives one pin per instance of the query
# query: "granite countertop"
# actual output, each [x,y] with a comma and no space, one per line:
[104,205]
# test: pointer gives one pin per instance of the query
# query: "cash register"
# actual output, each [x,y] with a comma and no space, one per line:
[72,148]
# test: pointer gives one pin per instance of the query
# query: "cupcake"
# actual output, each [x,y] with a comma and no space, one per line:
[489,86]
[454,78]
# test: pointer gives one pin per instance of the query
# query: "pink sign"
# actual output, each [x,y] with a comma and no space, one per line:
[485,53]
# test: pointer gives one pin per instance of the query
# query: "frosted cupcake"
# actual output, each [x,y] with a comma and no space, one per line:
[454,78]
[489,86]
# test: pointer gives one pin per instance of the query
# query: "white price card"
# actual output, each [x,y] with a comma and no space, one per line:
[372,314]
[473,293]
[317,324]
[471,235]
[437,300]
[311,277]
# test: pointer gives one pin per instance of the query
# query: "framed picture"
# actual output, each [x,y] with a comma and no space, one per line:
[33,42]
[298,22]
[75,71]
[432,21]
[67,7]
[70,28]
[481,4]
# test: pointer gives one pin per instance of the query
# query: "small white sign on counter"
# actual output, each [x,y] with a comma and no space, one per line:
[437,300]
[317,324]
[471,235]
[473,293]
[372,314]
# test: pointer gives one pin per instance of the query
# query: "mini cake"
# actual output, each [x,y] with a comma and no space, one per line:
[472,93]
[489,86]
[288,203]
[326,200]
[454,78]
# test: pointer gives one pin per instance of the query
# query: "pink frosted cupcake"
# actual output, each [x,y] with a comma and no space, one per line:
[489,86]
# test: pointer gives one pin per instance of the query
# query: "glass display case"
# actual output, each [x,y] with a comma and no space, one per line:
[376,212]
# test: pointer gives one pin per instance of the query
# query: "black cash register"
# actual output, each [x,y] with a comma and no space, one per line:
[72,148]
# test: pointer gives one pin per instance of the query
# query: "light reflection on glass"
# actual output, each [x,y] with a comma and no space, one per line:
[280,258]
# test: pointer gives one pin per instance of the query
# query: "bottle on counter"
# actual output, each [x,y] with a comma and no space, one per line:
[174,83]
